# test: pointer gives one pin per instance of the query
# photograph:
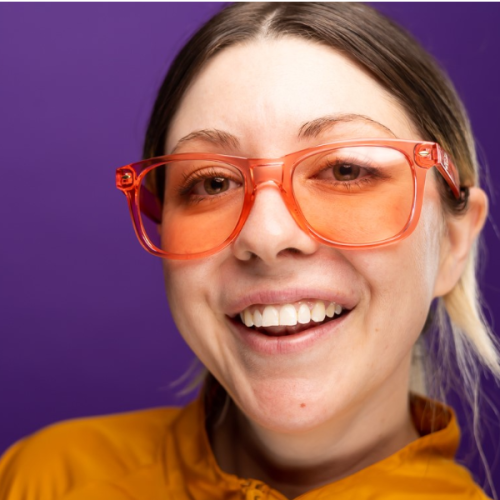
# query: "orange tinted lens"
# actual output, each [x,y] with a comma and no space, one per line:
[355,195]
[199,204]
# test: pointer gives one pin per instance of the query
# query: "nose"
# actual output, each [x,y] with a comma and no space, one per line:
[270,232]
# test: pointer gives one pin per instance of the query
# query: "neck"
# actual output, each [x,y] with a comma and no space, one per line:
[296,463]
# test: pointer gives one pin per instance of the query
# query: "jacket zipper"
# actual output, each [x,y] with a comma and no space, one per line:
[253,490]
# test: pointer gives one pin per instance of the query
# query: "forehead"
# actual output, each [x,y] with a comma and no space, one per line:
[263,91]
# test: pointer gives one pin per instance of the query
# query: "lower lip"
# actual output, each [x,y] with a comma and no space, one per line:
[286,344]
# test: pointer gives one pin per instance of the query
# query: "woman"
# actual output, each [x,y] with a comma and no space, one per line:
[305,235]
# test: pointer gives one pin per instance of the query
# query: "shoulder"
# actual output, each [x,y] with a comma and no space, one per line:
[70,455]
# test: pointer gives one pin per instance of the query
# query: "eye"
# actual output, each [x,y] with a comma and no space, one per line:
[345,171]
[213,186]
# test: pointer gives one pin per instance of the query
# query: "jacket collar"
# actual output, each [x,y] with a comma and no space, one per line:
[190,448]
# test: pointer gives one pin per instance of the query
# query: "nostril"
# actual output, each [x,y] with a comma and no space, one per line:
[290,250]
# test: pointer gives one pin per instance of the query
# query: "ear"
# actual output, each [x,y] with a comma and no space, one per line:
[457,241]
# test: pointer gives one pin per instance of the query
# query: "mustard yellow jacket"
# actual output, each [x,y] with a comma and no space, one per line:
[164,454]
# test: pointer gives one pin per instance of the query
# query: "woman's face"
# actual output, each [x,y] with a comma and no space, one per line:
[263,92]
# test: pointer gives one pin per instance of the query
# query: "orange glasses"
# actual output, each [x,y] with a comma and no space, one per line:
[352,194]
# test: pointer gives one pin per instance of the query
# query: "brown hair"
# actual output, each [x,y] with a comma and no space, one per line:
[456,330]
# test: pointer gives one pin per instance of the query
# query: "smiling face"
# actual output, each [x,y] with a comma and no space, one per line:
[264,93]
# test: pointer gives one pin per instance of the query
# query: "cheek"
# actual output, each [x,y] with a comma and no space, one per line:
[190,287]
[400,278]
[184,296]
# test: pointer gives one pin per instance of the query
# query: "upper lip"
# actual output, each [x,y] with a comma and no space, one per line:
[287,295]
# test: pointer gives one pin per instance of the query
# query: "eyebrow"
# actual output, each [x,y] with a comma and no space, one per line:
[213,136]
[308,130]
[319,125]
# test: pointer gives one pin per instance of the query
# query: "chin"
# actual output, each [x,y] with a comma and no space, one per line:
[290,406]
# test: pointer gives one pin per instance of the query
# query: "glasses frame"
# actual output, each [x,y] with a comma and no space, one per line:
[277,172]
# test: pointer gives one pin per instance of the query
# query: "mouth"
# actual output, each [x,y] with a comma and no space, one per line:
[282,320]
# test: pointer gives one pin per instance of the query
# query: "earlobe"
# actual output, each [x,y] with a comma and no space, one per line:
[457,241]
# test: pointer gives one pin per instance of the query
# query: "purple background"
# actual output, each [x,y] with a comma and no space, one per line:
[85,326]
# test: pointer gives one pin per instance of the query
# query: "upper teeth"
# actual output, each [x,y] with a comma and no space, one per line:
[289,314]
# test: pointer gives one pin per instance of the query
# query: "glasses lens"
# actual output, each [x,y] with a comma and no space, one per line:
[191,205]
[355,195]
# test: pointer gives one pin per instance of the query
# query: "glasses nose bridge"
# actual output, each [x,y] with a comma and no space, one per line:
[267,173]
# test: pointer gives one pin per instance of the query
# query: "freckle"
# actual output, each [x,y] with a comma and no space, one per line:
[302,405]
